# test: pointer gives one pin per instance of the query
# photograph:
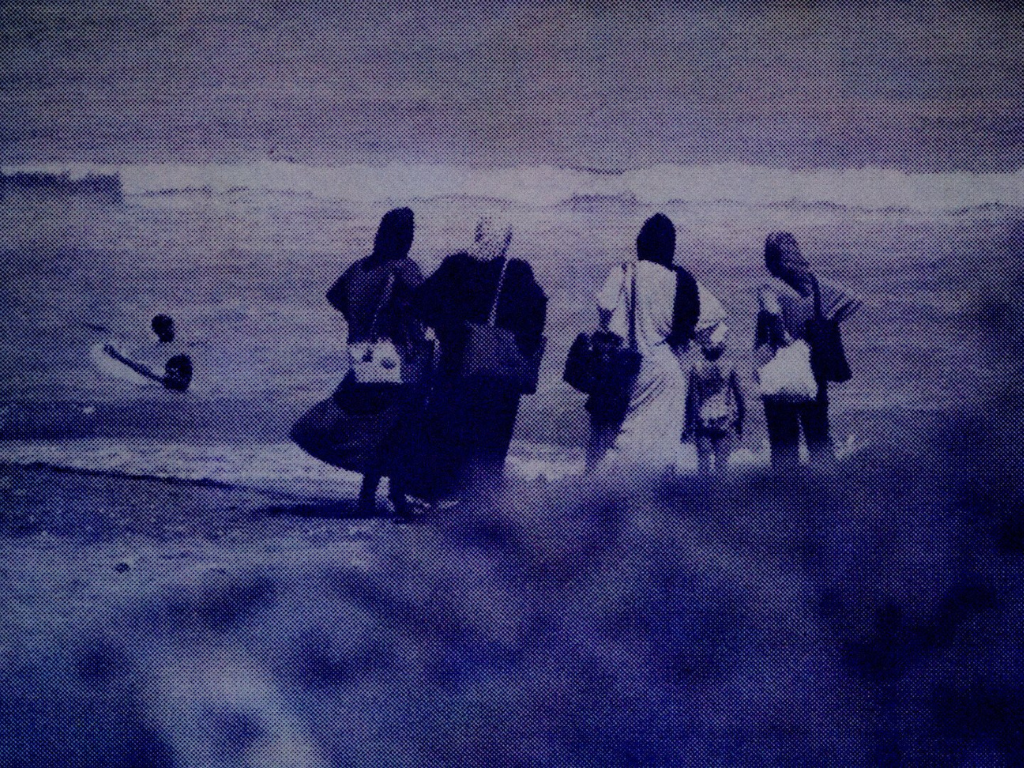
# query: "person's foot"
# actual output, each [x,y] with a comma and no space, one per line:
[403,509]
[366,506]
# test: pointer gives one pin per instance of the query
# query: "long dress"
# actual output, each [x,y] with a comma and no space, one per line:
[466,428]
[649,435]
[371,310]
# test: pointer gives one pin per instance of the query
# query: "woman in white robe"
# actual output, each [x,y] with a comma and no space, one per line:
[671,309]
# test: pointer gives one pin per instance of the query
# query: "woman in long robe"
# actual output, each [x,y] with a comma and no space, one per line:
[467,428]
[671,309]
[374,310]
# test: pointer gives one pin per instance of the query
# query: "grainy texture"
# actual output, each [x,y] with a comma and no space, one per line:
[179,586]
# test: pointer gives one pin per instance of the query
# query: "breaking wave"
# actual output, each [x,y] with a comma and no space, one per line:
[866,188]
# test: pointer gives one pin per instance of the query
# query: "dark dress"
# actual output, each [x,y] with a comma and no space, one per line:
[358,295]
[358,292]
[466,428]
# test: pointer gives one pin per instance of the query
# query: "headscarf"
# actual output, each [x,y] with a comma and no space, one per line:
[657,240]
[491,239]
[656,243]
[394,236]
[163,327]
[783,260]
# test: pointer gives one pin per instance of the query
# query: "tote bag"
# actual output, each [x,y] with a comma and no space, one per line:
[493,353]
[788,376]
[606,367]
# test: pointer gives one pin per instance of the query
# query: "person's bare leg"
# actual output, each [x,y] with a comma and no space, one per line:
[396,492]
[723,450]
[704,453]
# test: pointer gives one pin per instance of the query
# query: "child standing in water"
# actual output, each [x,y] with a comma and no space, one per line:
[714,404]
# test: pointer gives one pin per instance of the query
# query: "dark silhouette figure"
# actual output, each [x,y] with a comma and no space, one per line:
[177,375]
[467,427]
[374,295]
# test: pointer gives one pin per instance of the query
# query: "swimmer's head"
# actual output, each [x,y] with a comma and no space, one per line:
[163,327]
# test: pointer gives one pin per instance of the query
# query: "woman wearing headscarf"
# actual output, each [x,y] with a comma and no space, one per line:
[374,295]
[786,303]
[468,427]
[672,309]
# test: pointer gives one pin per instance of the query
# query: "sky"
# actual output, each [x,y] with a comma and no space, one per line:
[917,87]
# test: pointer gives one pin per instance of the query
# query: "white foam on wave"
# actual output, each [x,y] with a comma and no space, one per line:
[868,188]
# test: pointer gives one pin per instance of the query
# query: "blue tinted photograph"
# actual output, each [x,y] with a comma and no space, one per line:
[519,383]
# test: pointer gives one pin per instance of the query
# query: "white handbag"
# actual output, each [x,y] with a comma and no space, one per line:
[376,361]
[788,376]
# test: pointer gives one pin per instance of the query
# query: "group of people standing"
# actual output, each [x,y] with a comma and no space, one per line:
[454,432]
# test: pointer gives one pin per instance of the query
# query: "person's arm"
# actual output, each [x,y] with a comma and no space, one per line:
[139,368]
[847,309]
[337,296]
[608,297]
[528,312]
[712,313]
[838,302]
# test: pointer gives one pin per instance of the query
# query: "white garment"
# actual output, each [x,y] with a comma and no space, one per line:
[712,314]
[649,435]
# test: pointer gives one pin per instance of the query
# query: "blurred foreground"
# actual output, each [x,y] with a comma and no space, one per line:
[864,619]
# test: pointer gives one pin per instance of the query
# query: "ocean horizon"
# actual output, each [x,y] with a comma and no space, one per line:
[863,188]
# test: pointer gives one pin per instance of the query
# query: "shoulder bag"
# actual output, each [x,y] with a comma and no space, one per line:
[828,358]
[376,361]
[600,365]
[493,353]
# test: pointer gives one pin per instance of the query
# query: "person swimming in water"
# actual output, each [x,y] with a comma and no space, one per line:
[177,373]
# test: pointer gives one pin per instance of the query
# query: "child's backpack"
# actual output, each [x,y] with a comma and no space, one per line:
[718,413]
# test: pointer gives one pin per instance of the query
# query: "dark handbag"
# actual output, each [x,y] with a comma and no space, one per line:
[828,358]
[600,366]
[494,353]
[351,428]
[579,366]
